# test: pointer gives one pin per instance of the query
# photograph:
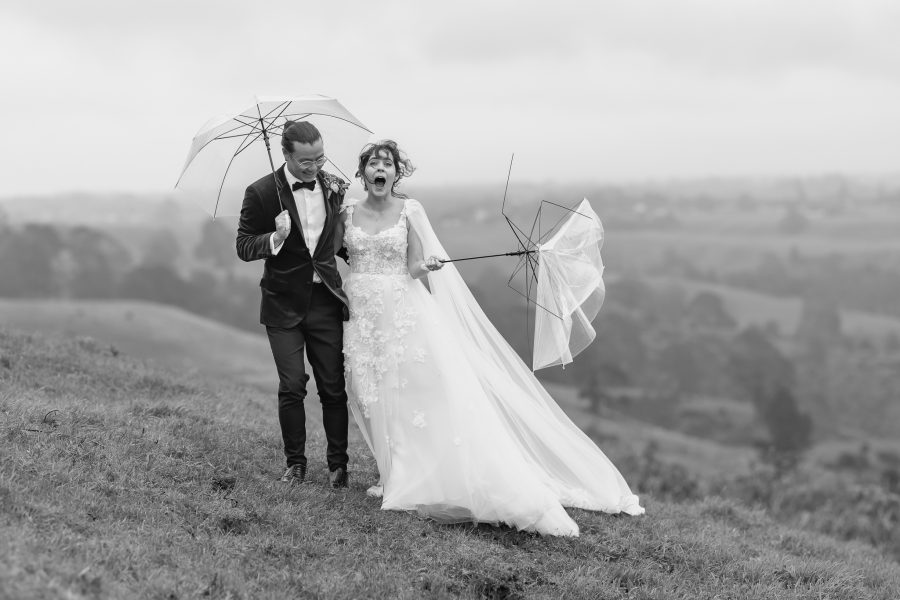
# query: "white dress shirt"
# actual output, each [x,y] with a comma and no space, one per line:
[311,210]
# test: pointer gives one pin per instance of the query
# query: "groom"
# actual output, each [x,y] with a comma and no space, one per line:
[303,305]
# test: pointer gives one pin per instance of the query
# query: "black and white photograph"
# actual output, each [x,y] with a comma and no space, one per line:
[492,300]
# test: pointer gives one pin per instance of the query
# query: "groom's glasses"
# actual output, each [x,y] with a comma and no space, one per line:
[306,164]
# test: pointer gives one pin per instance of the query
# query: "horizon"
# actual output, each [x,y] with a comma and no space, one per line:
[605,91]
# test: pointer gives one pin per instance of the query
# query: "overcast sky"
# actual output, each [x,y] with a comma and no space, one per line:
[106,95]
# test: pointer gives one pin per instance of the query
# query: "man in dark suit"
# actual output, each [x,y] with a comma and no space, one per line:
[303,305]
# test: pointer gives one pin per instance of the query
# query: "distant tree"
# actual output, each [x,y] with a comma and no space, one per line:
[757,367]
[631,293]
[101,261]
[707,311]
[163,248]
[892,342]
[591,391]
[773,275]
[216,245]
[819,328]
[616,356]
[767,377]
[204,294]
[790,431]
[27,262]
[65,272]
[156,283]
[668,307]
[694,365]
[793,221]
[679,363]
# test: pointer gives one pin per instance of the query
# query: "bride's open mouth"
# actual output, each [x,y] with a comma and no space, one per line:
[379,181]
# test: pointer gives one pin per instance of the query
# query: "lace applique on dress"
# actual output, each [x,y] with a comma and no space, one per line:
[373,346]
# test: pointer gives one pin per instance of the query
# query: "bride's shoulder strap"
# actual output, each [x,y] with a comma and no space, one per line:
[412,206]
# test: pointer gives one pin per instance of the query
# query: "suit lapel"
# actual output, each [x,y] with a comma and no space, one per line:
[287,200]
[329,212]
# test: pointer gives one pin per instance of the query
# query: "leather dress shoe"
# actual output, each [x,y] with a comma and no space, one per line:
[294,474]
[339,478]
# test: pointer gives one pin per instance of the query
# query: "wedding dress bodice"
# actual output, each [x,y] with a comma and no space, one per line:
[382,253]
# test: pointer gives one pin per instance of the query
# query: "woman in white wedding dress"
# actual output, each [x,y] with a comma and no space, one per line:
[460,428]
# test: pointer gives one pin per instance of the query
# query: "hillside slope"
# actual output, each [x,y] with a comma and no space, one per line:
[156,333]
[118,481]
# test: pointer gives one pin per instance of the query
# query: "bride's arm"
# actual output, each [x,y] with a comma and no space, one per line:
[415,257]
[340,249]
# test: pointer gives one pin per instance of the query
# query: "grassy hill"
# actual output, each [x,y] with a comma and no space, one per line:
[156,333]
[121,481]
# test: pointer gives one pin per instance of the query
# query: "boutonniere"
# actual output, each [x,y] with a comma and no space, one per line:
[334,184]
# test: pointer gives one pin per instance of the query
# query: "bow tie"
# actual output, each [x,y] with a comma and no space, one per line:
[310,185]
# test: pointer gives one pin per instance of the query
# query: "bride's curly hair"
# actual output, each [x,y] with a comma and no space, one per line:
[402,163]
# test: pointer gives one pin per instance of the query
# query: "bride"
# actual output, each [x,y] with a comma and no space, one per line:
[460,428]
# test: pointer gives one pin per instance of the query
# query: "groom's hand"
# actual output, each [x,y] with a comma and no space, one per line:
[282,227]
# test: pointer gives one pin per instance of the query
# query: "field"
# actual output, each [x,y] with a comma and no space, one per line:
[118,480]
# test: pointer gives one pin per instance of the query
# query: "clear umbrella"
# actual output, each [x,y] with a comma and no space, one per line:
[232,151]
[563,280]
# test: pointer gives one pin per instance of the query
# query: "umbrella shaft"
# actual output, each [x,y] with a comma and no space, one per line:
[516,253]
[271,162]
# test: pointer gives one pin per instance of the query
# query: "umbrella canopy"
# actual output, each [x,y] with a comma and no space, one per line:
[570,288]
[232,151]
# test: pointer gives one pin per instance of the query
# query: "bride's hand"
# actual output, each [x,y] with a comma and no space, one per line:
[433,263]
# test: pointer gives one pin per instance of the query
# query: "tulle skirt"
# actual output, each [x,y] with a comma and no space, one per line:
[456,439]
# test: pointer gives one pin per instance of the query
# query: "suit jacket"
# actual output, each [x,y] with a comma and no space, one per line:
[287,281]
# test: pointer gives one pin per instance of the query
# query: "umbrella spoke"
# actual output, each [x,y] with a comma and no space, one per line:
[222,184]
[338,169]
[561,219]
[253,123]
[336,117]
[280,108]
[247,143]
[297,116]
[516,231]
[534,224]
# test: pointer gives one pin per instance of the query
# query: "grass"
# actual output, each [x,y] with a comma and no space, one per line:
[121,481]
[165,335]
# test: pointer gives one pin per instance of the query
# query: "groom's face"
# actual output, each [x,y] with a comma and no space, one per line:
[305,160]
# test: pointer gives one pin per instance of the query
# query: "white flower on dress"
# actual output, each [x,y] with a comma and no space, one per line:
[419,355]
[419,419]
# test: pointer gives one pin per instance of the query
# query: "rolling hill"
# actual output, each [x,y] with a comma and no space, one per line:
[753,308]
[155,333]
[121,481]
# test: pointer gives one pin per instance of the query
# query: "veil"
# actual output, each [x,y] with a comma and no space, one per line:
[568,460]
